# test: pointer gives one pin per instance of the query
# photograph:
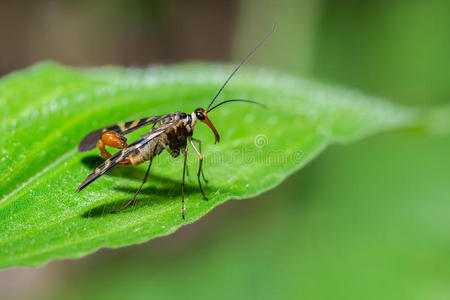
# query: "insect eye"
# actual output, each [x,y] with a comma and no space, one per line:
[200,116]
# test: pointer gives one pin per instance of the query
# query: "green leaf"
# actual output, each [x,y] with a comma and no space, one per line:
[48,108]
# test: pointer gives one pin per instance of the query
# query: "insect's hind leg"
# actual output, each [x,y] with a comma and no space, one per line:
[133,200]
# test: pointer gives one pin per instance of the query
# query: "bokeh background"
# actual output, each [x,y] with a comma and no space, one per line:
[368,220]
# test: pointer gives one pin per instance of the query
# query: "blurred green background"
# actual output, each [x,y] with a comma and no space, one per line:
[368,220]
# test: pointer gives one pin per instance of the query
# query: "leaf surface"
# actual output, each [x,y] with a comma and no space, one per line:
[48,108]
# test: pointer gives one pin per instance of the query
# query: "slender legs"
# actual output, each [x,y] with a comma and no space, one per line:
[115,140]
[200,170]
[200,151]
[200,157]
[133,200]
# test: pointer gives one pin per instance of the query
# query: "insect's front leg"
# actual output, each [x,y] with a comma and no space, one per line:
[115,140]
[200,157]
[200,151]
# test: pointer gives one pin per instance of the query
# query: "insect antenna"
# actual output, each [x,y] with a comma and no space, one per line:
[237,100]
[241,63]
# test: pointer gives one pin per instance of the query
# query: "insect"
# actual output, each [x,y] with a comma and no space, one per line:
[170,132]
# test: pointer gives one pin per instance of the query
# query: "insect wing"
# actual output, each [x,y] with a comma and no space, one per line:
[124,153]
[89,142]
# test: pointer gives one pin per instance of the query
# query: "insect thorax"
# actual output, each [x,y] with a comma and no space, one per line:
[178,135]
[175,137]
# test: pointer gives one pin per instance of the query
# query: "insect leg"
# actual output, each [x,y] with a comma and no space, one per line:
[200,158]
[173,154]
[182,183]
[133,200]
[200,150]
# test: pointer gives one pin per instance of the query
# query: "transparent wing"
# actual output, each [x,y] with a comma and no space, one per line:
[125,153]
[89,142]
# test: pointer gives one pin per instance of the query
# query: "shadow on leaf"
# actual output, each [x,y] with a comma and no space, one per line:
[162,195]
[92,161]
[131,172]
